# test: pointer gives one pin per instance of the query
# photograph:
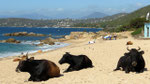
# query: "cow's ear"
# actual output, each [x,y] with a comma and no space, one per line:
[16,60]
[142,52]
[31,58]
[67,53]
[126,54]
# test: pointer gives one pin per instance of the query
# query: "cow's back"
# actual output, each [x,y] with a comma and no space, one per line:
[54,70]
[87,62]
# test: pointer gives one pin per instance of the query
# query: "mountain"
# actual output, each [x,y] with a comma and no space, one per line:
[95,15]
[115,16]
[29,16]
[140,13]
[33,16]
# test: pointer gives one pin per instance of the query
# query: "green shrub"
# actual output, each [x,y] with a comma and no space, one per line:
[137,32]
[137,23]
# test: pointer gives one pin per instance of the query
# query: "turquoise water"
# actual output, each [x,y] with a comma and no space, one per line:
[7,49]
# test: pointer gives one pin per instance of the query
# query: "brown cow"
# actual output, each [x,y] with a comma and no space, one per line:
[40,70]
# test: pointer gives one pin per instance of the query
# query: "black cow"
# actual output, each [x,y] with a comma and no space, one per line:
[76,62]
[132,61]
[40,70]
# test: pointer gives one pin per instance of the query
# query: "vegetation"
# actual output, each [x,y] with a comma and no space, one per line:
[125,20]
[92,25]
[137,32]
[135,25]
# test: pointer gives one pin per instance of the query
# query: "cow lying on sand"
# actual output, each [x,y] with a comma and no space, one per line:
[40,70]
[76,62]
[132,61]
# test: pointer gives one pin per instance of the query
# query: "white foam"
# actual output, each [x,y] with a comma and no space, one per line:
[45,47]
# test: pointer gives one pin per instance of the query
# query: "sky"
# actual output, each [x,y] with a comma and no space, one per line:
[69,7]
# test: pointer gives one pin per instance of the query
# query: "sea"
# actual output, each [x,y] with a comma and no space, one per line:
[26,45]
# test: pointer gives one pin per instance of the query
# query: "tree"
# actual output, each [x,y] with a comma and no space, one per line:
[137,23]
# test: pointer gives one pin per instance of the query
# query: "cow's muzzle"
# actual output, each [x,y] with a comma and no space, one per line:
[134,63]
[17,70]
[60,62]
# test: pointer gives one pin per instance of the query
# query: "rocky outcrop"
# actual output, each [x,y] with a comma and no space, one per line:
[10,40]
[92,35]
[79,35]
[49,41]
[24,34]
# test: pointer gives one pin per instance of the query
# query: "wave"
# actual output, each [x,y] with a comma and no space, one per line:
[32,49]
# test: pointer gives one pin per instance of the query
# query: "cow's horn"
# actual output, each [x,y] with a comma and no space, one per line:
[139,48]
[67,52]
[128,49]
[27,55]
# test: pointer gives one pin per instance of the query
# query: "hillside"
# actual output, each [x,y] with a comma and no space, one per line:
[23,22]
[95,15]
[140,13]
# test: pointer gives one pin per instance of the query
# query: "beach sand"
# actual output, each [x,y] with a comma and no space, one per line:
[104,55]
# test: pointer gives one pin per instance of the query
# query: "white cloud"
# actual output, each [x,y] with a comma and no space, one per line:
[124,10]
[60,9]
[139,4]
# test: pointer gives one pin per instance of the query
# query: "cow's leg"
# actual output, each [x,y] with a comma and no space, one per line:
[142,70]
[118,67]
[34,78]
[119,64]
[31,78]
[127,70]
[69,69]
[77,67]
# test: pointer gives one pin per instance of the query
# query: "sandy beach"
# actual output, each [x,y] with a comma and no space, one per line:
[104,55]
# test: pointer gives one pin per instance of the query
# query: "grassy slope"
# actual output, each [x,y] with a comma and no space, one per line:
[126,19]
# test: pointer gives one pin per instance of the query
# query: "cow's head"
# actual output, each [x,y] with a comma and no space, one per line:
[65,58]
[135,54]
[24,65]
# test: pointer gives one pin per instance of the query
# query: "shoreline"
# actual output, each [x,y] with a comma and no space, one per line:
[34,52]
[56,27]
[70,42]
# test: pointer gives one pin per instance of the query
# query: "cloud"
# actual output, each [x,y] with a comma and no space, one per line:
[124,10]
[59,9]
[139,4]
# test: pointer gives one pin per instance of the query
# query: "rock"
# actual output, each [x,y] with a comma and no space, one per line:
[40,44]
[16,34]
[18,41]
[40,35]
[7,34]
[23,34]
[3,41]
[49,41]
[61,39]
[67,37]
[10,40]
[79,35]
[31,34]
